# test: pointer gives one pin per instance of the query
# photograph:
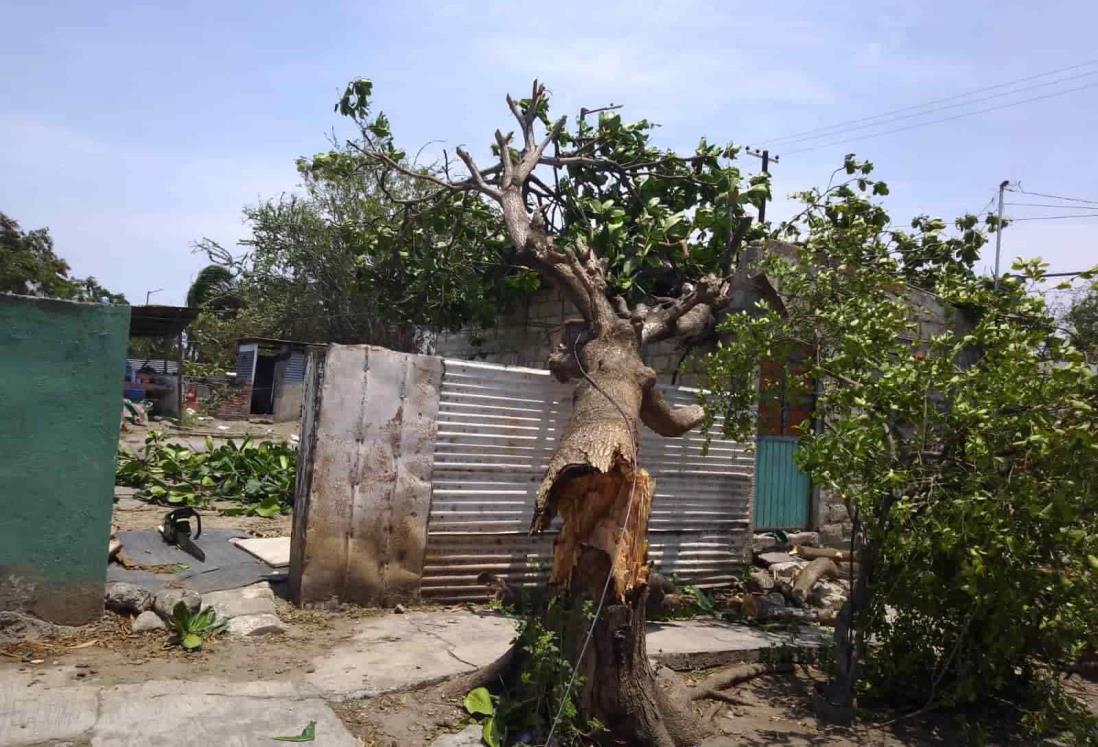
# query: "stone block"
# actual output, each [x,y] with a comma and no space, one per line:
[833,535]
[248,625]
[257,599]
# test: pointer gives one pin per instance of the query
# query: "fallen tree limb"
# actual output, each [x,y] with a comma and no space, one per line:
[818,569]
[811,553]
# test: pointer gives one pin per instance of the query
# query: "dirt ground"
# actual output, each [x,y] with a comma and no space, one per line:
[777,710]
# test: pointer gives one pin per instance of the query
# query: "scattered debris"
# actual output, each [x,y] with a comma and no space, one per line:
[127,599]
[399,609]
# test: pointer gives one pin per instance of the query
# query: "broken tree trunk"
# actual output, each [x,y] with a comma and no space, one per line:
[604,500]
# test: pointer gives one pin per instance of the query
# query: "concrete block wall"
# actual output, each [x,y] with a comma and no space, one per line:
[527,336]
[61,370]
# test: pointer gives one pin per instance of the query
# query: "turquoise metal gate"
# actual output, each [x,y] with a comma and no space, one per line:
[782,490]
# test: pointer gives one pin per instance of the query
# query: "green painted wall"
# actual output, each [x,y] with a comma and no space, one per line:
[61,369]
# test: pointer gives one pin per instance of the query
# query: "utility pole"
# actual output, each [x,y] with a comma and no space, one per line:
[999,231]
[764,156]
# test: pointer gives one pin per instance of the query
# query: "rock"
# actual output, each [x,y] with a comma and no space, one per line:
[146,621]
[257,599]
[833,535]
[760,581]
[809,539]
[165,600]
[127,599]
[15,626]
[399,609]
[775,599]
[248,625]
[773,558]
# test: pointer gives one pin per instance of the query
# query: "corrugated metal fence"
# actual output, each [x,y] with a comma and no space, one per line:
[497,427]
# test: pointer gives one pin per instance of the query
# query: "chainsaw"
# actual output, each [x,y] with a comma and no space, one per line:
[176,530]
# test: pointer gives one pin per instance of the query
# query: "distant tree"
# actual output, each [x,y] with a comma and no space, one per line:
[29,266]
[214,289]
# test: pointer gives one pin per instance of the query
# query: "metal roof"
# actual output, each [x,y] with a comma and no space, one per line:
[160,321]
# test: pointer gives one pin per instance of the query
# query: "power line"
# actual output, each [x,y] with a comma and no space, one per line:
[1054,217]
[1049,205]
[1021,191]
[785,142]
[847,123]
[943,119]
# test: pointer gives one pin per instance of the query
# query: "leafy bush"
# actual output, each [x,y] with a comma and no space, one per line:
[259,476]
[966,453]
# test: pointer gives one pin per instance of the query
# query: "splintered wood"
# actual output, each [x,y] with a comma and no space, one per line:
[608,512]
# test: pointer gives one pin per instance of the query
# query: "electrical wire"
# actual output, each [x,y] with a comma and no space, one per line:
[1053,217]
[617,547]
[932,110]
[1048,205]
[943,119]
[841,125]
[1021,191]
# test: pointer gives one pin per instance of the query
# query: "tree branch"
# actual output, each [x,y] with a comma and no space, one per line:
[659,415]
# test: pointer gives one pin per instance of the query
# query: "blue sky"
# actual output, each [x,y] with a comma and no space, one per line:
[133,130]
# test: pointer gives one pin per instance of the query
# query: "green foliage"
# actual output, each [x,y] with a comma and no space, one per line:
[193,629]
[523,713]
[214,289]
[1082,317]
[258,476]
[966,454]
[439,256]
[29,266]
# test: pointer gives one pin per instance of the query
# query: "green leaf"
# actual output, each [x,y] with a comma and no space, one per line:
[479,702]
[489,733]
[268,511]
[308,734]
[191,641]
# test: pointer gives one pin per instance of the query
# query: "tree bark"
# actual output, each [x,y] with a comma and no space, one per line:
[604,499]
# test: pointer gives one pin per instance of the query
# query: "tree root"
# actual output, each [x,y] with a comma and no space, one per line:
[712,685]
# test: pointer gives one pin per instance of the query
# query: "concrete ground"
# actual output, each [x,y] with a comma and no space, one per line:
[384,654]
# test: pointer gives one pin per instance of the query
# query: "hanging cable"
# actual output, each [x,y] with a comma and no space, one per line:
[915,115]
[847,123]
[1021,191]
[943,119]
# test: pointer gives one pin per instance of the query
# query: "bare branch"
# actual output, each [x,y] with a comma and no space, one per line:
[476,175]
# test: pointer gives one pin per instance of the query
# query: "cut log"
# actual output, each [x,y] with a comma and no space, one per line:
[813,572]
[811,553]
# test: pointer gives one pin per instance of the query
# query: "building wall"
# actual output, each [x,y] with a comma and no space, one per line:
[61,369]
